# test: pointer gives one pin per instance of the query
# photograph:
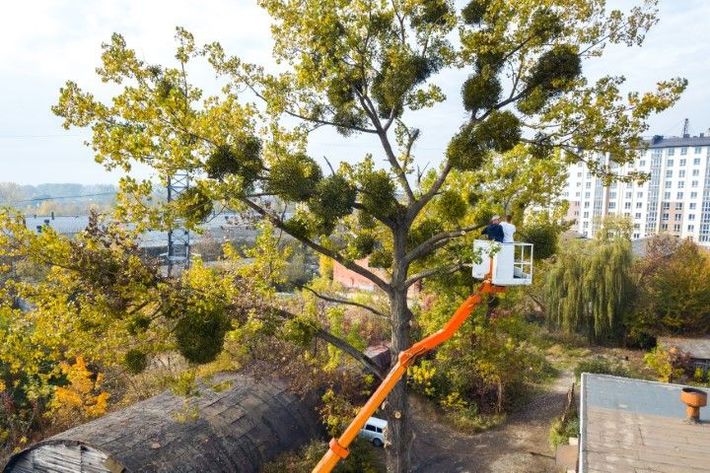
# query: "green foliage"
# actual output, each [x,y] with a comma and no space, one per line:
[474,11]
[451,206]
[673,294]
[294,177]
[362,459]
[334,198]
[669,364]
[481,91]
[499,132]
[561,432]
[600,365]
[194,204]
[241,159]
[377,194]
[589,289]
[136,361]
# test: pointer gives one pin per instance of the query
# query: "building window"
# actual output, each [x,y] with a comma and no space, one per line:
[642,163]
[696,172]
[696,162]
[664,217]
[691,228]
[698,150]
[668,184]
[679,196]
[637,226]
[577,194]
[693,195]
[629,195]
[670,152]
[636,236]
[692,205]
[691,216]
[639,195]
[612,205]
[637,215]
[676,227]
[694,184]
[612,195]
[585,215]
[669,173]
[683,152]
[588,185]
[678,217]
[667,196]
[681,173]
[681,184]
[627,205]
[586,205]
[579,174]
[664,226]
[679,205]
[639,205]
[666,205]
[586,195]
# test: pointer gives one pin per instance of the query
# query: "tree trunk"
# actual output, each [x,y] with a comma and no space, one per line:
[397,408]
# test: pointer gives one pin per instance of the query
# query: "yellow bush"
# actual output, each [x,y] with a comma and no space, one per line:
[82,397]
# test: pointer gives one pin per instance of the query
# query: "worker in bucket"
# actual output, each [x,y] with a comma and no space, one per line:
[494,231]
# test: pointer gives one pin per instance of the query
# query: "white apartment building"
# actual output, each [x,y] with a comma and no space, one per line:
[676,198]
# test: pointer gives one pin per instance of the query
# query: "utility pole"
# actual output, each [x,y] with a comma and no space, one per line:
[178,254]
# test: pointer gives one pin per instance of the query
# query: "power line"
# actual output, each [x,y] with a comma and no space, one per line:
[38,199]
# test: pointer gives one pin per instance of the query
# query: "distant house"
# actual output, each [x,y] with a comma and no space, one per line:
[352,280]
[697,348]
[631,425]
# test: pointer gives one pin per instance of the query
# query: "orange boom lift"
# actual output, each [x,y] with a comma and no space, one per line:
[339,447]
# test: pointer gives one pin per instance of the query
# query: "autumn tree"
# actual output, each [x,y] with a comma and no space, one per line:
[673,290]
[362,68]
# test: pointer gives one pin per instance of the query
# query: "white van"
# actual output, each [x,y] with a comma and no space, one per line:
[374,431]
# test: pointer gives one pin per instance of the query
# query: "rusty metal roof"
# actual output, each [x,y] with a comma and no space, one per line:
[636,426]
[696,347]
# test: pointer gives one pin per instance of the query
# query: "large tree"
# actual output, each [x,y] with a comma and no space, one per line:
[362,67]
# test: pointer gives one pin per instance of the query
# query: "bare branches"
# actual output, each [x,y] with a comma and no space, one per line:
[437,241]
[434,272]
[346,302]
[334,340]
[279,223]
[419,204]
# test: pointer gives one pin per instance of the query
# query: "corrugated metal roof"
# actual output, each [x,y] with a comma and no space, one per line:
[696,347]
[632,425]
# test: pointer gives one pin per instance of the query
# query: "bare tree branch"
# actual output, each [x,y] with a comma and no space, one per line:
[433,272]
[279,223]
[346,302]
[420,203]
[437,241]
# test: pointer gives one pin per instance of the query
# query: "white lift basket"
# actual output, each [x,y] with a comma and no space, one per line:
[512,263]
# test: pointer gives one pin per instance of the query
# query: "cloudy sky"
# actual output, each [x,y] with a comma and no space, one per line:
[46,42]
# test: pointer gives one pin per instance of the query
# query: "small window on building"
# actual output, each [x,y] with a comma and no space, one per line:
[696,161]
[612,195]
[683,152]
[691,228]
[586,205]
[670,152]
[679,205]
[585,215]
[676,227]
[691,217]
[694,184]
[612,205]
[664,226]
[627,205]
[666,205]
[636,236]
[629,195]
[678,217]
[693,195]
[664,217]
[692,205]
[639,205]
[639,195]
[696,172]
[642,163]
[681,184]
[669,172]
[637,226]
[679,196]
[681,173]
[698,150]
[668,184]
[586,195]
[588,185]
[667,195]
[637,215]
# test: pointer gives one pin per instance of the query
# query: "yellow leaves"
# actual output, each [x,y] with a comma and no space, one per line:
[82,396]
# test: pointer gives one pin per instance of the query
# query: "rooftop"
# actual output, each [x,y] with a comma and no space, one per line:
[659,141]
[695,347]
[636,426]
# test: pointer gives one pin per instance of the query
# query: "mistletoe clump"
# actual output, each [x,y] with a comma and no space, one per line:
[294,178]
[200,333]
[243,158]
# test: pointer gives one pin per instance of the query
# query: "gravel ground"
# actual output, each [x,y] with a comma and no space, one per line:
[520,445]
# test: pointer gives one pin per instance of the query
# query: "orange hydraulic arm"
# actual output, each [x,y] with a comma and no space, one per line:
[339,447]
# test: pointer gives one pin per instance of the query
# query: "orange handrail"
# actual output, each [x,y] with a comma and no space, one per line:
[339,447]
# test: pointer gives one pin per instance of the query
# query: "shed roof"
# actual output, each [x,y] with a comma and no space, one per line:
[632,425]
[695,347]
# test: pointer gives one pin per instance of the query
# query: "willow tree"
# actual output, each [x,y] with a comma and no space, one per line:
[362,67]
[589,287]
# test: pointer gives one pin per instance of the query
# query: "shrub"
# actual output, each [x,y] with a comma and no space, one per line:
[560,432]
[600,365]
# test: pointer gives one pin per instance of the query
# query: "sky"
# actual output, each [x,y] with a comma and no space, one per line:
[47,42]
